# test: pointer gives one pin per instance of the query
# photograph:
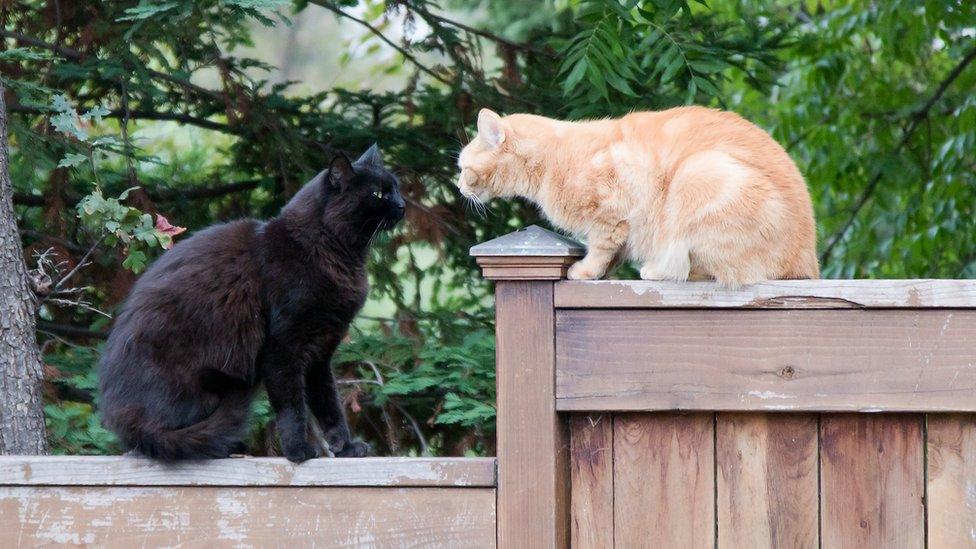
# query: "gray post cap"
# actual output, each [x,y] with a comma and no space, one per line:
[530,241]
[532,253]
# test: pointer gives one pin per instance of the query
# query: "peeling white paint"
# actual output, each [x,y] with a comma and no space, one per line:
[765,395]
[779,407]
[232,522]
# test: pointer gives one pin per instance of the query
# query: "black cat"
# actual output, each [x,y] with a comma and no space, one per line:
[243,303]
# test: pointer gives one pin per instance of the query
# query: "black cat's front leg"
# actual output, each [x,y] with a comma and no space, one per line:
[284,379]
[326,403]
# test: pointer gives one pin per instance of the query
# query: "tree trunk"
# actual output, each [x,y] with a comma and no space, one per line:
[21,414]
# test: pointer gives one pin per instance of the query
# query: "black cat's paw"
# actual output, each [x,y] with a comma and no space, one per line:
[238,448]
[354,449]
[298,453]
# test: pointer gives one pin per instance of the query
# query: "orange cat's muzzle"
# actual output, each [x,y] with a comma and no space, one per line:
[468,185]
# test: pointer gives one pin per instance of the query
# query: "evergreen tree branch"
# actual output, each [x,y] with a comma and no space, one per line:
[75,55]
[158,195]
[145,115]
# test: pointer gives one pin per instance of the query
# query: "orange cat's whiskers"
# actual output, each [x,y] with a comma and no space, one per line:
[478,205]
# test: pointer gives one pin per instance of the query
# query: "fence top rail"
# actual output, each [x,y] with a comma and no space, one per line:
[534,253]
[126,471]
[773,294]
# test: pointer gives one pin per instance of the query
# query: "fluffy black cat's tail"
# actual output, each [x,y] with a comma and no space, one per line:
[217,436]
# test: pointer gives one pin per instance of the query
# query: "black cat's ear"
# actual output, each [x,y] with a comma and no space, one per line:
[340,173]
[372,157]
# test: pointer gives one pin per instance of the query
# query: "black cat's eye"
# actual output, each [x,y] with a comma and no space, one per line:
[378,194]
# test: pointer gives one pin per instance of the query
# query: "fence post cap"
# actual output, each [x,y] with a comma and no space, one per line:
[532,253]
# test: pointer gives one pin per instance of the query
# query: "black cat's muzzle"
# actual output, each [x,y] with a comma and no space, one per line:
[393,216]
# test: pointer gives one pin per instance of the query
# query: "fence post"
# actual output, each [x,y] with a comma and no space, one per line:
[533,464]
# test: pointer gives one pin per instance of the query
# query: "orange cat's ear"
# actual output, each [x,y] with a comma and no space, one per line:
[491,128]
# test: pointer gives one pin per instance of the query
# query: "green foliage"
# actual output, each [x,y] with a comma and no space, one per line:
[73,428]
[123,224]
[111,221]
[874,100]
[433,386]
[862,108]
[630,54]
[73,425]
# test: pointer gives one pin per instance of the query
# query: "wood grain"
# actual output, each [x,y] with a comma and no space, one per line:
[872,481]
[591,463]
[525,267]
[851,360]
[663,480]
[125,471]
[247,517]
[767,480]
[951,481]
[533,457]
[773,294]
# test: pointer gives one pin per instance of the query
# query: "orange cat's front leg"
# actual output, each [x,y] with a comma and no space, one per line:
[603,243]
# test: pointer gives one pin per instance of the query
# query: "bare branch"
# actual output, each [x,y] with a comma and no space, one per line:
[78,266]
[424,448]
[70,331]
[379,34]
[86,305]
[429,17]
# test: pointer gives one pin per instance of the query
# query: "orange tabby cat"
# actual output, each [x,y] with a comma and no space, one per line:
[687,191]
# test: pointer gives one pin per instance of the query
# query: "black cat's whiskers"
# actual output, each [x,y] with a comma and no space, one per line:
[376,231]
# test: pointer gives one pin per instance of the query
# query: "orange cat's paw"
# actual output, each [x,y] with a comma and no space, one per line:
[650,273]
[581,271]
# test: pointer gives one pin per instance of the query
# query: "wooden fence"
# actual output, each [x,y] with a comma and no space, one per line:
[823,413]
[249,502]
[787,414]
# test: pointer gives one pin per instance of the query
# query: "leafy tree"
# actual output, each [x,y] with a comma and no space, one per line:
[874,100]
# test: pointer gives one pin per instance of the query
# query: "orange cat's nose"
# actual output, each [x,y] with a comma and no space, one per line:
[465,181]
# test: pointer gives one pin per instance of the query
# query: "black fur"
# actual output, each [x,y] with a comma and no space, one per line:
[243,303]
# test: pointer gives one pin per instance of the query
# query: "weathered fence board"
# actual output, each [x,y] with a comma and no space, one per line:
[846,360]
[951,481]
[767,484]
[123,471]
[780,479]
[664,483]
[872,481]
[591,458]
[213,516]
[773,294]
[533,474]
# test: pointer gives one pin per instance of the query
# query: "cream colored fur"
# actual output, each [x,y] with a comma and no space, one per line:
[684,192]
